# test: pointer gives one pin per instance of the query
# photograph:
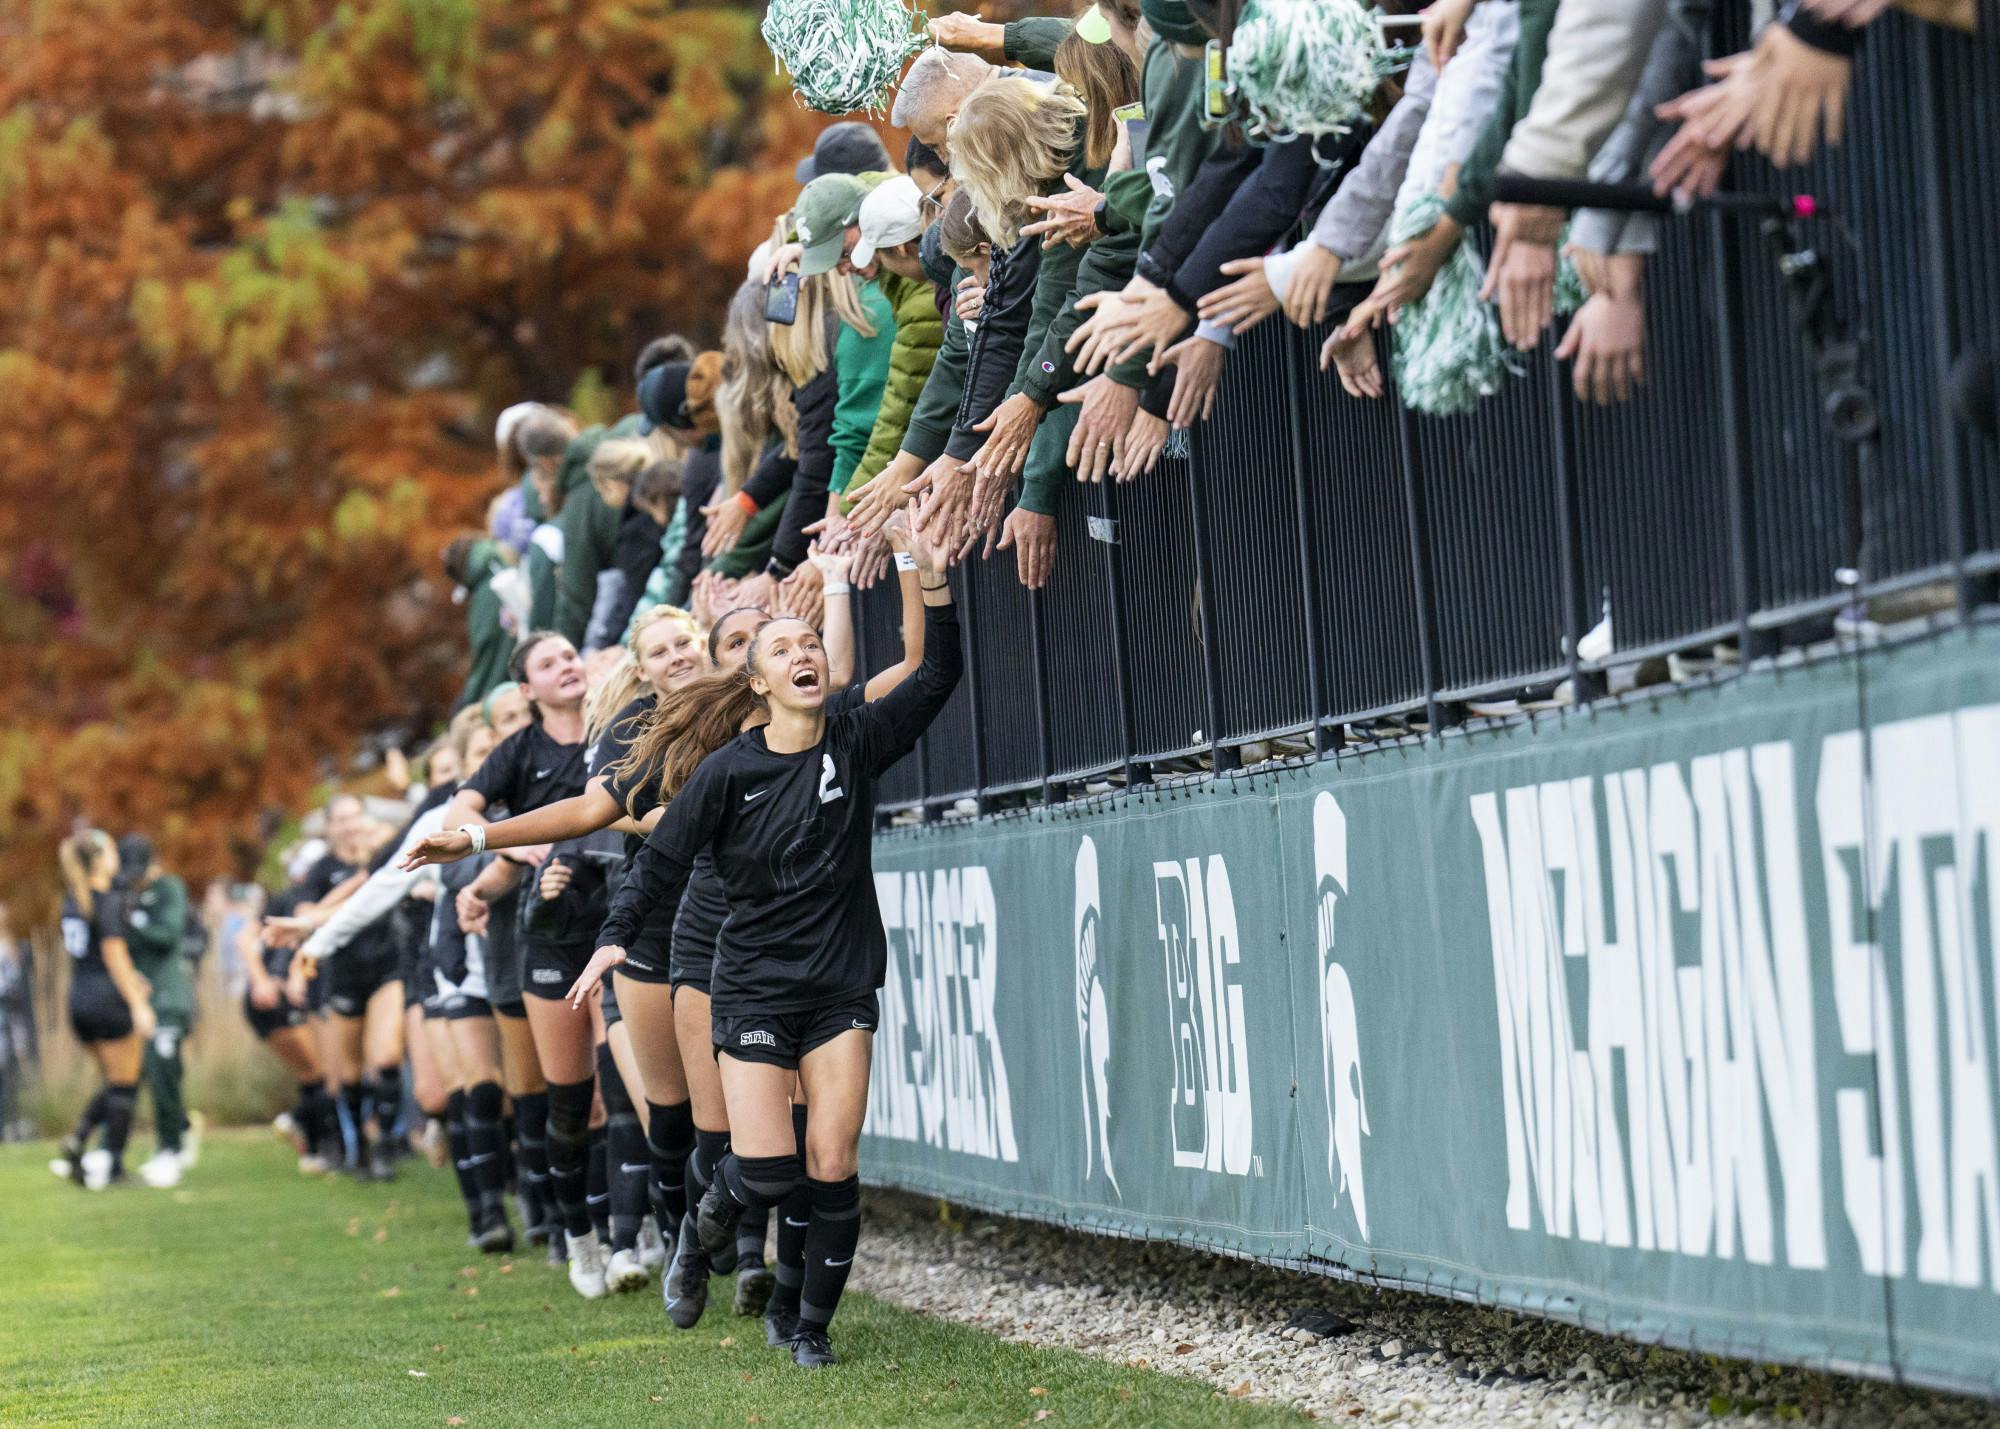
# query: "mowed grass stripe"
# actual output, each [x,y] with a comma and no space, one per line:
[254,1295]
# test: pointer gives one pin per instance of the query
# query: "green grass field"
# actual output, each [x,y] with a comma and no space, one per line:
[253,1295]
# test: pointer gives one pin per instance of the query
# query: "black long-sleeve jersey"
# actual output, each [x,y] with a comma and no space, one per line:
[529,769]
[792,838]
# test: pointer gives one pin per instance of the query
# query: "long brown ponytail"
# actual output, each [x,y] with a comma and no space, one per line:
[687,726]
[78,856]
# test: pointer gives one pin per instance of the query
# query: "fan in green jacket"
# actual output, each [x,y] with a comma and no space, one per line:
[156,926]
[472,562]
[861,363]
[589,530]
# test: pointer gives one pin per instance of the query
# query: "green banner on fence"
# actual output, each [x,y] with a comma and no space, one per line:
[1676,1019]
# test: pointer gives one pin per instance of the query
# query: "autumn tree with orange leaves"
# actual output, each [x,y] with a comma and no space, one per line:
[268,269]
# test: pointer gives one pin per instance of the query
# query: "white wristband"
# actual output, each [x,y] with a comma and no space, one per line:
[834,587]
[476,833]
[905,561]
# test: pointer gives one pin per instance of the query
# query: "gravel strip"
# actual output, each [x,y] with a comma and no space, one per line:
[1332,1348]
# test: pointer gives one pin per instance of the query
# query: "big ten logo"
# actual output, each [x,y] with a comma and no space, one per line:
[1340,1037]
[1196,918]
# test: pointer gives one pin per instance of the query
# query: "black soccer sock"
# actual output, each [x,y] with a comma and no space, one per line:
[793,1218]
[569,1151]
[92,1118]
[709,1149]
[386,1093]
[531,1127]
[626,1163]
[353,1100]
[509,1172]
[119,1104]
[669,1144]
[460,1141]
[751,1231]
[484,1147]
[830,1243]
[309,1115]
[597,1182]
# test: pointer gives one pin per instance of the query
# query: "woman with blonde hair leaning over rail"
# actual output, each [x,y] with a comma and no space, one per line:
[787,810]
[108,1010]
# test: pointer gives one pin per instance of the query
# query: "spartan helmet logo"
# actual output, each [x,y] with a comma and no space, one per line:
[1346,1104]
[1093,1021]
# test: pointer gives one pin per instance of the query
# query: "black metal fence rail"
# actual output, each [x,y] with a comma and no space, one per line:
[1323,564]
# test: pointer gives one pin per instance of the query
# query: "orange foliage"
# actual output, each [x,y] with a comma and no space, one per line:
[268,268]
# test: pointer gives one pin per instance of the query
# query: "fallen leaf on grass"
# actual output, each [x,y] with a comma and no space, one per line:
[381,1234]
[1183,1348]
[1138,1362]
[437,1349]
[354,1226]
[746,1376]
[456,1419]
[1125,1395]
[654,1397]
[420,1374]
[392,1292]
[471,1272]
[508,1268]
[472,1289]
[1041,1414]
[726,1341]
[1037,1391]
[1246,1387]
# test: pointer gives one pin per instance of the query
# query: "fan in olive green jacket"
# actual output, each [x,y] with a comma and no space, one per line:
[919,334]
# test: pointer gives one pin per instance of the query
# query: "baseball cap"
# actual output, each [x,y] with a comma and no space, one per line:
[849,147]
[892,214]
[828,205]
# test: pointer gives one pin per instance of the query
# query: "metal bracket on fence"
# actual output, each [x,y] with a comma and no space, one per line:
[1102,528]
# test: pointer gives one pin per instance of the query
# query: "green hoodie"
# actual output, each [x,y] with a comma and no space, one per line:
[156,926]
[491,646]
[589,527]
[862,366]
[919,333]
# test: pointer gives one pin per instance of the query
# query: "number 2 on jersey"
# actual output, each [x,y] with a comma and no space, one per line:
[828,790]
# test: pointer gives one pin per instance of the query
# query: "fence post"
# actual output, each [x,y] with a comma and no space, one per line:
[1576,617]
[1722,293]
[1309,582]
[1204,578]
[1045,743]
[1104,528]
[968,596]
[1420,557]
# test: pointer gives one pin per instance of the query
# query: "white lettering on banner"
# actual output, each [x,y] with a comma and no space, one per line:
[1093,1020]
[1340,1037]
[1689,947]
[940,1076]
[1715,1051]
[1196,918]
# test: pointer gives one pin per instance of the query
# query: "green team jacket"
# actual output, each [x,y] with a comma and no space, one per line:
[589,527]
[491,646]
[1474,193]
[919,334]
[156,926]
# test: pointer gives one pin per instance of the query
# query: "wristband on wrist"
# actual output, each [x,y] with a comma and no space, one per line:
[477,834]
[941,585]
[905,561]
[835,587]
[747,502]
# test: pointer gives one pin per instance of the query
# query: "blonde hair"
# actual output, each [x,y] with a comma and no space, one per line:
[652,615]
[79,856]
[610,693]
[618,462]
[804,349]
[1011,140]
[756,396]
[459,733]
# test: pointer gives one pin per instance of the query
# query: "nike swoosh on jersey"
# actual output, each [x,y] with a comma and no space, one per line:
[836,1264]
[541,773]
[756,794]
[790,1222]
[628,1168]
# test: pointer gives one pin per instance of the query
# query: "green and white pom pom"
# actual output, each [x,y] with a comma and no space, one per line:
[1306,66]
[1449,350]
[1570,291]
[844,55]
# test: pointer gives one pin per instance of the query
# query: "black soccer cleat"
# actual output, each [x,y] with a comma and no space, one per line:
[753,1290]
[813,1349]
[684,1288]
[715,1223]
[496,1237]
[779,1328]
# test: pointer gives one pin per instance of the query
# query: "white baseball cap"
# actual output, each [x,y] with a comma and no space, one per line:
[893,213]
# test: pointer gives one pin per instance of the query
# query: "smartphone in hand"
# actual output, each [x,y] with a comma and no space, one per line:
[781,300]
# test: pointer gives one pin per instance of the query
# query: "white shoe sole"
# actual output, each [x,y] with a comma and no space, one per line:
[625,1282]
[589,1287]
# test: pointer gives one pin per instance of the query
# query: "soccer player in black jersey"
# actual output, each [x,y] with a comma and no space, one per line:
[108,1007]
[626,784]
[787,811]
[541,763]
